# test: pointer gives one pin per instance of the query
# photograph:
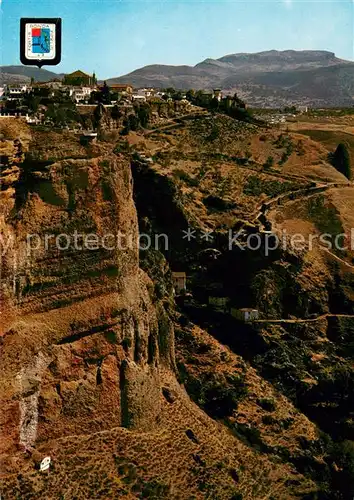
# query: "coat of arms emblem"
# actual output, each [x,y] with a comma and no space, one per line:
[40,41]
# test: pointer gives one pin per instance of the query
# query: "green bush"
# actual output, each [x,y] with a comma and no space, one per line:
[256,186]
[126,343]
[214,134]
[122,147]
[111,336]
[216,203]
[284,158]
[155,490]
[184,176]
[218,396]
[267,404]
[269,163]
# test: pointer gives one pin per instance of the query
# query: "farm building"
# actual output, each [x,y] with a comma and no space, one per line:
[179,281]
[245,314]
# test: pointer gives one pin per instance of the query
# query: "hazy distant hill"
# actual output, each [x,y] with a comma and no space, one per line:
[265,78]
[271,78]
[9,74]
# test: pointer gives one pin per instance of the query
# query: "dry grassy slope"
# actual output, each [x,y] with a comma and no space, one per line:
[327,130]
[279,423]
[10,130]
[200,157]
[197,180]
[317,350]
[15,129]
[326,274]
[189,161]
[50,146]
[314,361]
[330,212]
[222,134]
[187,456]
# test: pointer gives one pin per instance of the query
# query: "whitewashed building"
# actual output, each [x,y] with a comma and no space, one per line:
[17,91]
[179,281]
[140,98]
[80,94]
[245,314]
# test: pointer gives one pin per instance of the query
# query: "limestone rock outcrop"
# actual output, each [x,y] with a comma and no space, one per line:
[81,345]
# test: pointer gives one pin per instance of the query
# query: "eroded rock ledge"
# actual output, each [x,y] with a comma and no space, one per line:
[76,317]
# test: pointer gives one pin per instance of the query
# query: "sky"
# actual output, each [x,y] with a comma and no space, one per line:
[114,37]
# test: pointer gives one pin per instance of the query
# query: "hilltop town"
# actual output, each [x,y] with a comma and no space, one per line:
[78,93]
[76,90]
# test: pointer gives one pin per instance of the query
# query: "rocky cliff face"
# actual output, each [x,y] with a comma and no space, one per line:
[87,368]
[76,314]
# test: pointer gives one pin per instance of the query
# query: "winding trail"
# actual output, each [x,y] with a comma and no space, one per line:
[338,258]
[304,320]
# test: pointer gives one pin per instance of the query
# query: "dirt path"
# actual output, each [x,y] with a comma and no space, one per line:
[304,320]
[292,196]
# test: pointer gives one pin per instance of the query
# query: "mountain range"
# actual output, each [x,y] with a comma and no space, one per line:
[270,78]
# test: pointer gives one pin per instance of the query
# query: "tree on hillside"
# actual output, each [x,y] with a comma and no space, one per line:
[238,103]
[97,115]
[290,109]
[190,95]
[116,113]
[269,163]
[143,113]
[170,91]
[95,97]
[202,99]
[32,102]
[62,116]
[105,94]
[343,456]
[341,160]
[214,104]
[57,115]
[131,122]
[178,96]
